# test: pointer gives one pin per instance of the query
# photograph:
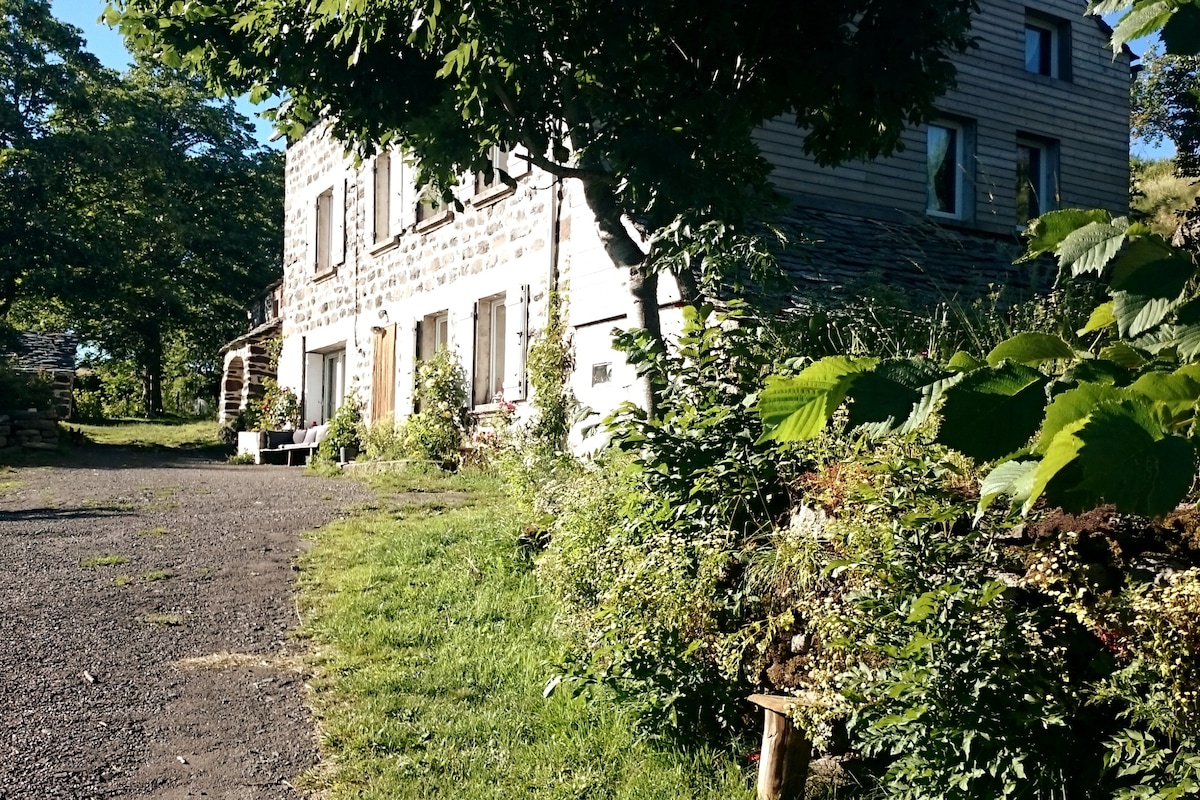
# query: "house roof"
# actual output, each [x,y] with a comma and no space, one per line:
[35,352]
[837,256]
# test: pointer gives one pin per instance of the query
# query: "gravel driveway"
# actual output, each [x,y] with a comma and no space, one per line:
[145,613]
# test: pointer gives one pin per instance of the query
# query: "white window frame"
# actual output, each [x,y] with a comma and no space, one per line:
[490,349]
[333,382]
[959,165]
[1043,26]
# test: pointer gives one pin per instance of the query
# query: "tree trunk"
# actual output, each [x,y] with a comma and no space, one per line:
[152,375]
[643,282]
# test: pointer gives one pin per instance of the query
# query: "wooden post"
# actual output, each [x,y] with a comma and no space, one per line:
[786,751]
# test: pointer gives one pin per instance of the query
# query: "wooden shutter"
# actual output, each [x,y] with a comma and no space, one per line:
[310,233]
[369,203]
[398,216]
[462,340]
[406,357]
[516,324]
[383,377]
[337,224]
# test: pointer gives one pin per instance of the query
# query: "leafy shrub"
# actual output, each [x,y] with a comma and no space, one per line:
[383,440]
[550,363]
[437,430]
[345,430]
[24,389]
[277,409]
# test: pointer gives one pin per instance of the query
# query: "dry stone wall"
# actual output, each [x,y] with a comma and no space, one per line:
[29,429]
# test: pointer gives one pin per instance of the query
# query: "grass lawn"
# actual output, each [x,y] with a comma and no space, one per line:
[432,646]
[172,432]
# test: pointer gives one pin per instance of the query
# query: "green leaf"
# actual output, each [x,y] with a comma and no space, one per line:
[1031,349]
[1125,460]
[1101,318]
[1144,297]
[993,411]
[1090,248]
[1048,231]
[1123,355]
[1072,406]
[887,396]
[1062,450]
[1181,34]
[797,408]
[924,606]
[1011,478]
[962,361]
[1145,18]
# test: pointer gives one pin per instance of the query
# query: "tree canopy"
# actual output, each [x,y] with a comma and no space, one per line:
[652,105]
[135,210]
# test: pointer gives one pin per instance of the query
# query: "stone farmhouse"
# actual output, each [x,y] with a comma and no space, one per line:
[377,277]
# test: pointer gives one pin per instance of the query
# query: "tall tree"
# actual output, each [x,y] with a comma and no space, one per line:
[650,104]
[45,76]
[184,216]
[1166,106]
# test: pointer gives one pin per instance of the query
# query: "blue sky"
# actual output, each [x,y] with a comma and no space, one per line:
[108,46]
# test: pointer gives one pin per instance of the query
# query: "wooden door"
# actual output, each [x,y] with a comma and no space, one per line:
[383,377]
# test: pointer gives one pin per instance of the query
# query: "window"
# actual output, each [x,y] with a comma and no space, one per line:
[435,334]
[1035,189]
[1047,46]
[945,166]
[430,206]
[499,159]
[334,383]
[324,241]
[382,191]
[490,338]
[601,373]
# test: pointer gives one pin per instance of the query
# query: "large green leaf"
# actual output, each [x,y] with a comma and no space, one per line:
[1181,33]
[1011,478]
[1072,406]
[1091,248]
[1047,232]
[1063,449]
[993,411]
[1124,460]
[887,396]
[1031,349]
[797,407]
[1145,18]
[1101,318]
[1146,294]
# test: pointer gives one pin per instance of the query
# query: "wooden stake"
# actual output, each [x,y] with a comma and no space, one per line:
[786,751]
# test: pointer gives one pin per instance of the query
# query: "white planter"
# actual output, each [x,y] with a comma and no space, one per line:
[251,442]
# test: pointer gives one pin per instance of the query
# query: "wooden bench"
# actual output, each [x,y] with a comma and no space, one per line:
[284,442]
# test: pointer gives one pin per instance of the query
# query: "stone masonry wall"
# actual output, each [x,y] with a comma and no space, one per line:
[499,240]
[30,429]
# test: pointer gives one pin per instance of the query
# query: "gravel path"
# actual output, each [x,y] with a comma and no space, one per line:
[169,674]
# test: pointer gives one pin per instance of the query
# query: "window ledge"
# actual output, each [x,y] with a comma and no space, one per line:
[323,276]
[383,245]
[436,221]
[492,194]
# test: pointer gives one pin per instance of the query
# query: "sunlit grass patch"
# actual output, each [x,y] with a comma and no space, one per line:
[432,645]
[168,620]
[168,432]
[107,560]
[157,575]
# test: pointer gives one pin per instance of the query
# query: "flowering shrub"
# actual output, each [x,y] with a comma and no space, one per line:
[278,409]
[437,430]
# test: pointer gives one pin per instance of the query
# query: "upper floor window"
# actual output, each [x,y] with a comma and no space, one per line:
[1047,46]
[324,240]
[382,192]
[945,164]
[1035,190]
[430,206]
[499,159]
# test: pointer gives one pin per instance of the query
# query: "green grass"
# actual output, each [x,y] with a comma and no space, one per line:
[1163,194]
[94,562]
[157,575]
[432,646]
[170,432]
